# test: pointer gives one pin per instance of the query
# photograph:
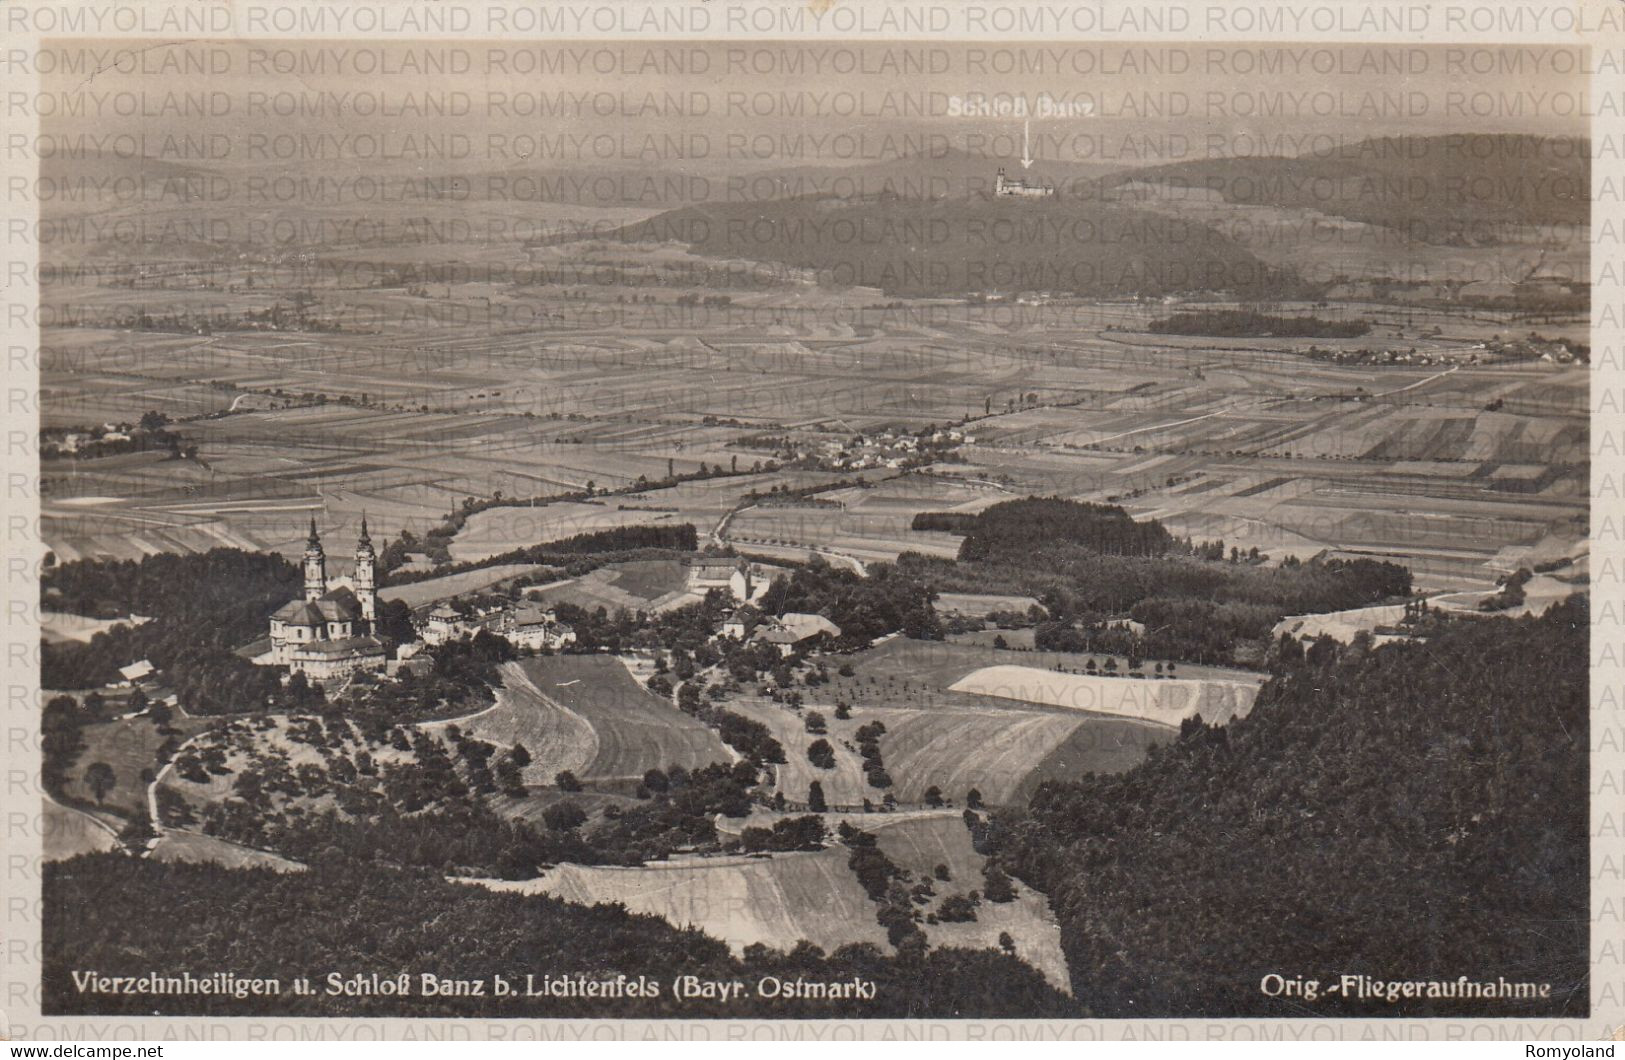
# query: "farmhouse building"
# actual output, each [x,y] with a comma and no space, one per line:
[795,631]
[443,624]
[523,625]
[136,672]
[529,626]
[741,579]
[710,572]
[329,633]
[739,625]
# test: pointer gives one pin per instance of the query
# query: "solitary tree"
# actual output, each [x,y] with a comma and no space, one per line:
[997,886]
[815,798]
[933,796]
[100,780]
[567,781]
[973,799]
[564,816]
[821,754]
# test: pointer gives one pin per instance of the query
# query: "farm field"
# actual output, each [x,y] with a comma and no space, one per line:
[955,750]
[844,786]
[1540,592]
[1167,702]
[556,737]
[1301,455]
[432,590]
[585,713]
[920,843]
[941,733]
[921,674]
[775,901]
[65,832]
[872,523]
[498,530]
[1099,745]
[130,746]
[185,846]
[58,626]
[639,585]
[407,399]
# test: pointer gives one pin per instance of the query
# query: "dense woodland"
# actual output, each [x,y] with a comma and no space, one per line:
[202,608]
[1414,811]
[1017,526]
[1089,564]
[929,247]
[889,600]
[124,916]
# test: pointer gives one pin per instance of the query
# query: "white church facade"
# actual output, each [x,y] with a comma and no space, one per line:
[330,631]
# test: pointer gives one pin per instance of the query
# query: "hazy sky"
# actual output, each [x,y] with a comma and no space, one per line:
[749,105]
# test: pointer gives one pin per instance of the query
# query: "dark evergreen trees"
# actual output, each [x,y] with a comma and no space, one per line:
[1414,811]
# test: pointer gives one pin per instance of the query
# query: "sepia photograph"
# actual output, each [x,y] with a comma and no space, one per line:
[814,529]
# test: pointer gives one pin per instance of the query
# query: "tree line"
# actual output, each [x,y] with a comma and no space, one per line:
[1092,566]
[1416,810]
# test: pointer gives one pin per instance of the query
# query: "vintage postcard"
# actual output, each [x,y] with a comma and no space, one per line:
[814,513]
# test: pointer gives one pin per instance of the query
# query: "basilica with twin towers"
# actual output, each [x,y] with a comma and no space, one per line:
[331,631]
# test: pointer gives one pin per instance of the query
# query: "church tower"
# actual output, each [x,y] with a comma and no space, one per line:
[365,582]
[315,565]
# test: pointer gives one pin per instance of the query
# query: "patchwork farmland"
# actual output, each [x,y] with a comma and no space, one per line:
[586,714]
[1206,442]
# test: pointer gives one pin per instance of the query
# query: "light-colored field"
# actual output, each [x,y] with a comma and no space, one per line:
[1541,592]
[585,713]
[956,750]
[872,523]
[556,737]
[638,585]
[421,594]
[1167,702]
[921,843]
[58,626]
[774,901]
[843,786]
[498,530]
[65,831]
[195,847]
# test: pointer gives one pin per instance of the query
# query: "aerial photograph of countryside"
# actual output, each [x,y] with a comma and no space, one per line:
[644,530]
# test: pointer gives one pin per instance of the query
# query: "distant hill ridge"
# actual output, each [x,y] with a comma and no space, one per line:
[923,247]
[1435,188]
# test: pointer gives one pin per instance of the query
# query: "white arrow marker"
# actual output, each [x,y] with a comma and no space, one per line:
[1026,151]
